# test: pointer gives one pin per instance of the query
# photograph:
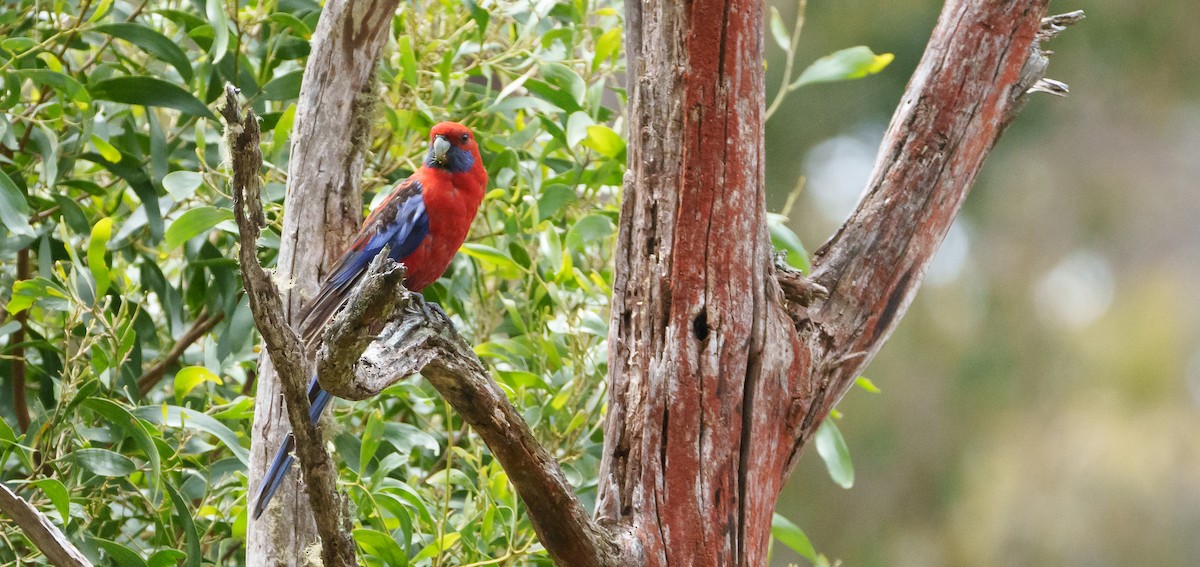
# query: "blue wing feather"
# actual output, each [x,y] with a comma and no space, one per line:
[401,222]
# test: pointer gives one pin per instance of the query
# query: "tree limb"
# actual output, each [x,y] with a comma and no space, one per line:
[323,212]
[200,327]
[425,341]
[282,344]
[20,406]
[981,64]
[37,527]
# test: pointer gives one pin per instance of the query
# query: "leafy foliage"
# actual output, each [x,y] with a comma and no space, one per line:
[139,354]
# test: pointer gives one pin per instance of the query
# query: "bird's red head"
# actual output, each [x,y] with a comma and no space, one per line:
[452,147]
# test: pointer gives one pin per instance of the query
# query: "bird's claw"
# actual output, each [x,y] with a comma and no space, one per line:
[428,308]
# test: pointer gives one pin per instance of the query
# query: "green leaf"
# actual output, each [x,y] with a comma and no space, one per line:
[150,91]
[589,229]
[61,82]
[408,60]
[106,149]
[779,31]
[832,448]
[577,127]
[103,462]
[119,416]
[438,546]
[18,44]
[783,238]
[166,558]
[283,129]
[283,87]
[175,416]
[292,24]
[604,140]
[791,535]
[46,143]
[101,11]
[492,256]
[14,209]
[194,222]
[188,378]
[850,63]
[119,554]
[181,184]
[382,546]
[215,10]
[607,45]
[183,516]
[478,14]
[152,42]
[566,79]
[866,384]
[95,255]
[372,436]
[26,292]
[59,497]
[72,213]
[553,199]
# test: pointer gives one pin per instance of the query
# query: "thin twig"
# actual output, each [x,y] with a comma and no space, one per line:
[784,87]
[203,324]
[20,405]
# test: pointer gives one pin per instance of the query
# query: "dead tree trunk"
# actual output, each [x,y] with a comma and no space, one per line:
[718,377]
[323,191]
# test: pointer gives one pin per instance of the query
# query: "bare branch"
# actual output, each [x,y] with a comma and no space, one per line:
[200,327]
[976,74]
[323,212]
[37,527]
[424,340]
[370,306]
[20,406]
[282,344]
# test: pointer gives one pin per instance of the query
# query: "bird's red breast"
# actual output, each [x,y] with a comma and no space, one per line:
[452,196]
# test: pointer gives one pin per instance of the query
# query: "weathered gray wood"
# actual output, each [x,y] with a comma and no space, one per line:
[323,211]
[37,527]
[282,345]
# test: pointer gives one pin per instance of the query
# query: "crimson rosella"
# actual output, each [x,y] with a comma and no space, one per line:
[424,220]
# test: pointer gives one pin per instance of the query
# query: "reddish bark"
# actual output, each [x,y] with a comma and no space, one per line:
[717,379]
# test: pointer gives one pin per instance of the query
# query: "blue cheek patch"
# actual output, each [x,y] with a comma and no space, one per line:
[458,160]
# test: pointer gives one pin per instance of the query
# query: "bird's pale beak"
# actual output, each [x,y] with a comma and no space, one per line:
[440,146]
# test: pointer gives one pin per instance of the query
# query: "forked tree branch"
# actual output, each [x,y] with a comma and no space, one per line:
[401,336]
[982,63]
[424,340]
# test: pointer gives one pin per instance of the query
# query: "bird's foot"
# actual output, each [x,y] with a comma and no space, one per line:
[428,308]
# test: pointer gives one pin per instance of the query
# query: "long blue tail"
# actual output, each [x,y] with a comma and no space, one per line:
[318,400]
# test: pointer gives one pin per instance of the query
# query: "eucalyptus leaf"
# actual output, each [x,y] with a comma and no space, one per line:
[833,450]
[150,91]
[850,63]
[193,223]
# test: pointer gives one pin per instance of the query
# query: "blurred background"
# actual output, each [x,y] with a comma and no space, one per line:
[1040,402]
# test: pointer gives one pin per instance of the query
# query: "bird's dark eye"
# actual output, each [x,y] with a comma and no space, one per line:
[465,138]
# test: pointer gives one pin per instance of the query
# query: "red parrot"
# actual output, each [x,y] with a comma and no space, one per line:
[424,220]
